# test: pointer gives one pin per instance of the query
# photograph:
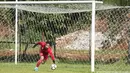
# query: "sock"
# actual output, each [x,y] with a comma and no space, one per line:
[36,67]
[39,62]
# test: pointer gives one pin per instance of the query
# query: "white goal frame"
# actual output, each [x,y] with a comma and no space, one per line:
[58,2]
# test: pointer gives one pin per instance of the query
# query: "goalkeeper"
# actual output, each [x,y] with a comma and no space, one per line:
[45,50]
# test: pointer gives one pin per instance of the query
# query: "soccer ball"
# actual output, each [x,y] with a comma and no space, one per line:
[53,66]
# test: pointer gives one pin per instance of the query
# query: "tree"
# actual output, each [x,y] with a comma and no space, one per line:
[53,25]
[117,2]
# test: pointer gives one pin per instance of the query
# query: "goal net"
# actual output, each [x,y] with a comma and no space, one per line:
[7,33]
[68,27]
[114,24]
[61,24]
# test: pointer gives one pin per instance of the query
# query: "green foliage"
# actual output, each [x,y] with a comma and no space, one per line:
[7,16]
[116,20]
[7,21]
[117,2]
[53,25]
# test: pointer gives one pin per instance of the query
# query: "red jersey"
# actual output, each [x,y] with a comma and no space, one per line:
[45,52]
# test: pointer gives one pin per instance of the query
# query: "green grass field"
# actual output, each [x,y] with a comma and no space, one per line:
[118,67]
[44,68]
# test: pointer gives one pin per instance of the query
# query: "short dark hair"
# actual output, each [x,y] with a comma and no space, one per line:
[49,42]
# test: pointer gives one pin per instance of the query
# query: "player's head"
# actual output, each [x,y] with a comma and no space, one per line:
[48,44]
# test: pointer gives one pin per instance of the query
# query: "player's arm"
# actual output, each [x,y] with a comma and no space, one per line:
[52,56]
[35,45]
[38,43]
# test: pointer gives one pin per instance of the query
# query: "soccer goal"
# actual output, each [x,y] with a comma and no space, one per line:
[84,35]
[81,34]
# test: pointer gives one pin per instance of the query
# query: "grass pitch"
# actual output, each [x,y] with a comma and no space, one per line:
[119,67]
[44,68]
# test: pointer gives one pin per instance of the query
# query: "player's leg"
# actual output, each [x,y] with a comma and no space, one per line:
[45,58]
[39,61]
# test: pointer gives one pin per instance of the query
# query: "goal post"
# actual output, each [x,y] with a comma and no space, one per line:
[93,3]
[16,31]
[93,38]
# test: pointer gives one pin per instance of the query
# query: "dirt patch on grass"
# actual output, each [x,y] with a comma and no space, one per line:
[6,53]
[66,56]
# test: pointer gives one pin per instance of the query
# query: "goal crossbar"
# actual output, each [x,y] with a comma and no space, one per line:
[48,2]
